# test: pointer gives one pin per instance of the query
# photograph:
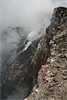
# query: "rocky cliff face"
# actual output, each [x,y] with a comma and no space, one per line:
[24,70]
[52,77]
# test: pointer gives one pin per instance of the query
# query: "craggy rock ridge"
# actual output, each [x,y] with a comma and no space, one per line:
[24,70]
[52,77]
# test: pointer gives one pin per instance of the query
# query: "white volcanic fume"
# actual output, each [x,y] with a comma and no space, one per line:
[33,15]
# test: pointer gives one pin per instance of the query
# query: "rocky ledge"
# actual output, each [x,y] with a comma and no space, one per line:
[52,78]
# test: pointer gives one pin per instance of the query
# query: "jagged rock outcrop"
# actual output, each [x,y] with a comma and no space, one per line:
[52,78]
[24,70]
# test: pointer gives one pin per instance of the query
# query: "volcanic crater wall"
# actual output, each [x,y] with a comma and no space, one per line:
[24,70]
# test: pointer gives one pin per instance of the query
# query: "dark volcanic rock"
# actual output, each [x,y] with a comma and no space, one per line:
[13,75]
[23,71]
